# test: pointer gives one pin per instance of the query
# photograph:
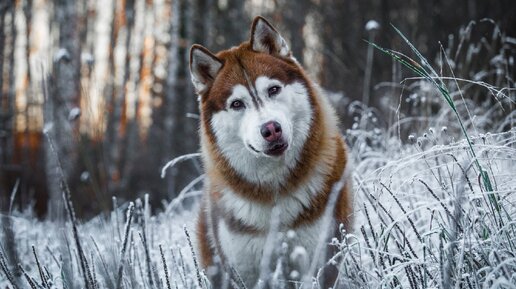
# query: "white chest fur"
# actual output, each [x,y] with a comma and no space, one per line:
[290,206]
[244,252]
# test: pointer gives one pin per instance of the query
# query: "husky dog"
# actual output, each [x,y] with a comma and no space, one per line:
[274,160]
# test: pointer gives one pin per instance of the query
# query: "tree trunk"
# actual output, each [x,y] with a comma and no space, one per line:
[63,103]
[3,99]
[169,122]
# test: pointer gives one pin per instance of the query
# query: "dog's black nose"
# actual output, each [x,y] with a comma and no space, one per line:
[271,131]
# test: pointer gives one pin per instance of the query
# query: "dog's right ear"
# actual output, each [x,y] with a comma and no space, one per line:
[204,67]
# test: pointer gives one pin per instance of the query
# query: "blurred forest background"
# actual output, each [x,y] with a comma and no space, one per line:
[108,81]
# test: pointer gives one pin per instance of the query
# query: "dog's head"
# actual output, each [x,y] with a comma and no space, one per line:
[256,102]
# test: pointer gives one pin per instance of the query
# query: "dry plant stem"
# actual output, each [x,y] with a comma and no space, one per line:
[320,251]
[41,273]
[31,282]
[164,266]
[67,197]
[104,265]
[13,195]
[130,212]
[179,159]
[7,272]
[197,270]
[147,259]
[404,212]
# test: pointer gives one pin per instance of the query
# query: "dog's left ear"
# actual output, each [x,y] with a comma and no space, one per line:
[265,38]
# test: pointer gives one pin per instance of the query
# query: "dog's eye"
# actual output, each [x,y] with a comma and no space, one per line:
[274,90]
[237,105]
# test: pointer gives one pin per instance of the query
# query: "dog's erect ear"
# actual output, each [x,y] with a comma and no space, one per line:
[265,38]
[204,67]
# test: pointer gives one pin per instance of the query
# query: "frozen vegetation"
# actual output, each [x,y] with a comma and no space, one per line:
[434,204]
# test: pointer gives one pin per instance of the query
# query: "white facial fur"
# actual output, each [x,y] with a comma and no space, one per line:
[235,130]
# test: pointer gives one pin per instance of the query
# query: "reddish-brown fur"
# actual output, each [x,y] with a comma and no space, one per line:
[203,243]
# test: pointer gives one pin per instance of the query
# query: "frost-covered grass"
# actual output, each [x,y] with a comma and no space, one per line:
[422,220]
[425,220]
[105,241]
[435,209]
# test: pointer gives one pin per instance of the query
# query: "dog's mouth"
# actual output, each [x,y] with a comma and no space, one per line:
[277,148]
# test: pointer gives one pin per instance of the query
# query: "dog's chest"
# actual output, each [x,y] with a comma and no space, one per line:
[244,252]
[258,215]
